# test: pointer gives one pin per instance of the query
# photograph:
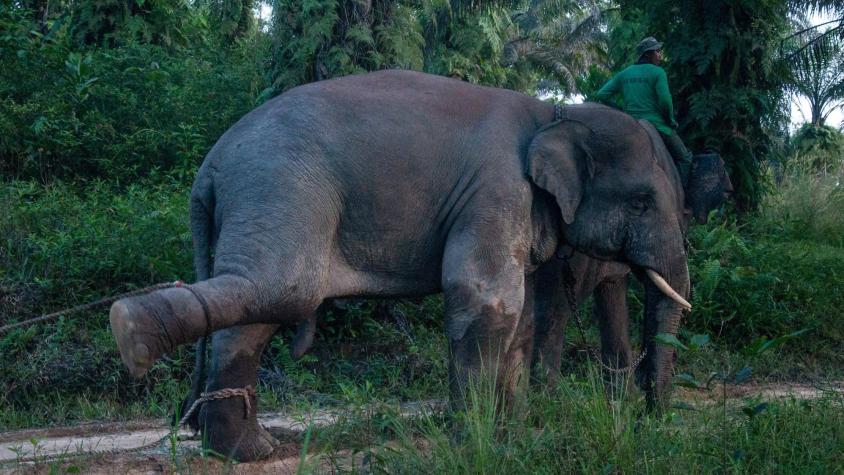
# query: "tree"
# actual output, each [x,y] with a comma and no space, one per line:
[817,148]
[320,39]
[231,19]
[113,22]
[561,38]
[817,60]
[726,77]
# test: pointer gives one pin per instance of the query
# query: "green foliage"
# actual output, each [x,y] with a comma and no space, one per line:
[320,39]
[725,77]
[231,19]
[63,246]
[111,22]
[806,205]
[816,149]
[763,283]
[563,40]
[118,112]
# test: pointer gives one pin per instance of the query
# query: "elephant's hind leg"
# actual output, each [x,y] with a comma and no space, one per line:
[149,326]
[227,426]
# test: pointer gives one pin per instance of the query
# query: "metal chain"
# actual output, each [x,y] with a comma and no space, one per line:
[88,306]
[570,281]
[246,393]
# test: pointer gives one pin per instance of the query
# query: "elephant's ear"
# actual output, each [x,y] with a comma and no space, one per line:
[559,163]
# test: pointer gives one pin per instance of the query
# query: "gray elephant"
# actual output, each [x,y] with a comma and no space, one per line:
[399,183]
[607,281]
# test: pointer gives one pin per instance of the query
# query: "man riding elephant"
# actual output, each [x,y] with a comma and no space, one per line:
[644,86]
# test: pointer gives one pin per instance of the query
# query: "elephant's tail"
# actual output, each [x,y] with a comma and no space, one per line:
[202,229]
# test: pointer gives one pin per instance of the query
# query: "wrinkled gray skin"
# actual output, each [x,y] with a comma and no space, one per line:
[394,184]
[708,187]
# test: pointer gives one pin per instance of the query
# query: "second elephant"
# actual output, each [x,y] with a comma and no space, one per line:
[607,281]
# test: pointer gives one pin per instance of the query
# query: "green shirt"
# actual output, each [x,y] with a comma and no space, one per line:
[645,90]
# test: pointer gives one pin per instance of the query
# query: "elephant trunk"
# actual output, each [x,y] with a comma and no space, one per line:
[149,326]
[662,315]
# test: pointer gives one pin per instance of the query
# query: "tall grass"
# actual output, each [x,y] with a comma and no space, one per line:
[805,205]
[573,428]
[776,272]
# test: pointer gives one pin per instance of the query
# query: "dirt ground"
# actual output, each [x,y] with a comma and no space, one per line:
[148,446]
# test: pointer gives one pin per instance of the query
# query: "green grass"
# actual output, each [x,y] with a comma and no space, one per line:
[573,428]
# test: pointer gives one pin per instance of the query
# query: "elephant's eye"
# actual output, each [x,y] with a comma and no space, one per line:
[639,204]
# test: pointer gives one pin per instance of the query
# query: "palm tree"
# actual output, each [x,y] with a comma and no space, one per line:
[817,70]
[810,34]
[561,37]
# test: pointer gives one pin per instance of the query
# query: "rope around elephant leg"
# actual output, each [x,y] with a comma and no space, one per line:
[245,392]
[89,306]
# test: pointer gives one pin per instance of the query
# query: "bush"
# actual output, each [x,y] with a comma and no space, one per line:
[757,282]
[64,246]
[90,112]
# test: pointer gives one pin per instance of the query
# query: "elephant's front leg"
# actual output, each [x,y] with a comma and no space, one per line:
[484,292]
[228,425]
[611,312]
[551,313]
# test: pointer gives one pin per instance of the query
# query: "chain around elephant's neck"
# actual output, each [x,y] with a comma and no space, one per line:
[559,113]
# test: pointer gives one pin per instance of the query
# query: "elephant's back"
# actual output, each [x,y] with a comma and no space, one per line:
[377,167]
[401,108]
[419,134]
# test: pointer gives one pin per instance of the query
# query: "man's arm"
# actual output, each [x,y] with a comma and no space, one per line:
[663,96]
[608,91]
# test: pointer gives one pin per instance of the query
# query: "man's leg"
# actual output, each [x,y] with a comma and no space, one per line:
[681,155]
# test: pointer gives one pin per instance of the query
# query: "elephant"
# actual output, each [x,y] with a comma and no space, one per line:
[396,184]
[707,188]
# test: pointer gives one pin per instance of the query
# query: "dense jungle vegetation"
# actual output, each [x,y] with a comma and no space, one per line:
[107,108]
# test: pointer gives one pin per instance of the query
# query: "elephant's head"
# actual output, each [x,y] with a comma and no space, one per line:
[709,185]
[616,202]
[620,201]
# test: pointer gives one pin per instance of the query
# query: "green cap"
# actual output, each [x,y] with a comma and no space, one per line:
[648,44]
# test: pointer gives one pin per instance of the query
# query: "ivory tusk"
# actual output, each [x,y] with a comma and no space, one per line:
[667,290]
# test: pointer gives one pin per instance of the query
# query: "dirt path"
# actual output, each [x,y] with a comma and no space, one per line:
[763,391]
[144,447]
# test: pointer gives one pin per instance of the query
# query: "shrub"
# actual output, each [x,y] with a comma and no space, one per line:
[751,283]
[66,245]
[91,112]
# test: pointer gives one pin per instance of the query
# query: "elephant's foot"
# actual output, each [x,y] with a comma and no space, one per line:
[135,333]
[254,443]
[149,326]
[232,433]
